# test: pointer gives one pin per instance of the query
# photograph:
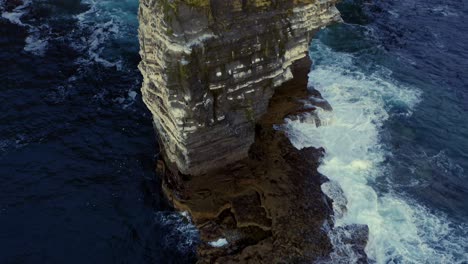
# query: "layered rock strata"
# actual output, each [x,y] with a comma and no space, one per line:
[268,207]
[218,77]
[210,68]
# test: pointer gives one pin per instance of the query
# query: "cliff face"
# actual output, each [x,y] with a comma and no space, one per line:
[268,207]
[210,68]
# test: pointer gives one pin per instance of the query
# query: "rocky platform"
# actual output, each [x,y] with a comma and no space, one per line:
[269,206]
[218,76]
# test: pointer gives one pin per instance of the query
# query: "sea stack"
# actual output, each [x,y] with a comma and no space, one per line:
[210,68]
[218,77]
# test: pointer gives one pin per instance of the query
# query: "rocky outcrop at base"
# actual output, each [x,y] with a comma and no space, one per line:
[218,77]
[268,207]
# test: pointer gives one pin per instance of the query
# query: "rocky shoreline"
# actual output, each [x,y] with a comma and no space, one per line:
[220,77]
[269,207]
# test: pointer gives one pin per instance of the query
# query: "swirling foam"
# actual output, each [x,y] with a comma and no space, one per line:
[106,22]
[184,235]
[38,35]
[17,13]
[401,231]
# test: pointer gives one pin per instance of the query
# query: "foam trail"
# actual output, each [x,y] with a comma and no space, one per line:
[400,230]
[17,13]
[106,23]
[35,43]
[184,235]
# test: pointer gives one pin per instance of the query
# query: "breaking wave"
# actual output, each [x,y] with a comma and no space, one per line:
[183,234]
[400,229]
[101,28]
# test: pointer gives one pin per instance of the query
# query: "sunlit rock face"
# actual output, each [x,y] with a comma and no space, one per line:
[210,67]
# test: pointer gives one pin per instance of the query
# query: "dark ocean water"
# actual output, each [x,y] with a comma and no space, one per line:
[396,74]
[425,45]
[77,149]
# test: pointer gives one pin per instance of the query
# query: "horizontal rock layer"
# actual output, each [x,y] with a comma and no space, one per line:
[210,68]
[268,208]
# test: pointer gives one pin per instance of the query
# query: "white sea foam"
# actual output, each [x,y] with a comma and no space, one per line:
[221,242]
[93,45]
[36,42]
[400,230]
[100,29]
[17,13]
[128,101]
[105,21]
[445,10]
[183,234]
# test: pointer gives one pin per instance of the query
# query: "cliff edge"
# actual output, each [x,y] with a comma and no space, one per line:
[210,68]
[218,76]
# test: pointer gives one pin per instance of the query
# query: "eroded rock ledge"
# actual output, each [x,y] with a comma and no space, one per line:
[218,76]
[269,206]
[210,68]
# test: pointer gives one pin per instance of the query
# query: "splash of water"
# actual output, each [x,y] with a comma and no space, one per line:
[400,230]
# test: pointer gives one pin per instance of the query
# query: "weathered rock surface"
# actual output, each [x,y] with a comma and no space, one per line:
[218,76]
[269,206]
[353,238]
[210,68]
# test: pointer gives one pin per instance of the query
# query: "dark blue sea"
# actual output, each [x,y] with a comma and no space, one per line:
[78,150]
[77,146]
